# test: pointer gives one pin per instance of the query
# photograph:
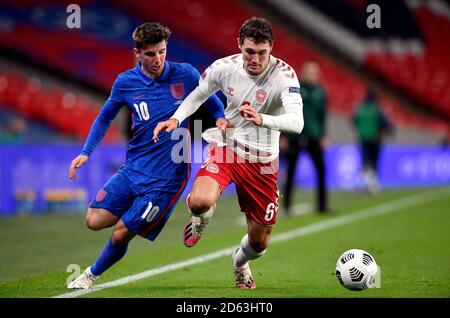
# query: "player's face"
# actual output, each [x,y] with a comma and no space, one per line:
[310,73]
[256,56]
[152,58]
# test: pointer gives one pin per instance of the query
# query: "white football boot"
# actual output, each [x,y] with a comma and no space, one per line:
[84,281]
[243,275]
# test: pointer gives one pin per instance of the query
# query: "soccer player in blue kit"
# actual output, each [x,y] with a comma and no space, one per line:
[140,198]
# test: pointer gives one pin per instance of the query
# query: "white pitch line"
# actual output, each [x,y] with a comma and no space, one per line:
[381,209]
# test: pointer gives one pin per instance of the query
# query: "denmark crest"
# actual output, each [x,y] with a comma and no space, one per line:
[261,95]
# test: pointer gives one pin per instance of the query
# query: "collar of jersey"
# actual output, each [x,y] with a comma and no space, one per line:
[148,80]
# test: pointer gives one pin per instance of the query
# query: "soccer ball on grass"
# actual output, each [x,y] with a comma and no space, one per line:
[356,270]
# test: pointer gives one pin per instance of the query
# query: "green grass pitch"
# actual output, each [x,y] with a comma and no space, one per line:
[411,243]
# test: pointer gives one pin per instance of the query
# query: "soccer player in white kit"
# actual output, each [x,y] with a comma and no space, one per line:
[263,98]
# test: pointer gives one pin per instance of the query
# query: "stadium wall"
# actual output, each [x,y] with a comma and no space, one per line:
[34,179]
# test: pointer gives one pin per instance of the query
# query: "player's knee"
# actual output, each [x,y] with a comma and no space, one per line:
[120,236]
[200,203]
[93,224]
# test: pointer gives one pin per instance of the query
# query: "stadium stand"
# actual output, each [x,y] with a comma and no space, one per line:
[64,111]
[409,52]
[102,50]
[344,90]
[94,54]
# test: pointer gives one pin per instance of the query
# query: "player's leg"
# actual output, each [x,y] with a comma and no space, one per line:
[204,195]
[253,245]
[146,217]
[209,183]
[110,203]
[108,206]
[98,219]
[201,203]
[114,250]
[258,197]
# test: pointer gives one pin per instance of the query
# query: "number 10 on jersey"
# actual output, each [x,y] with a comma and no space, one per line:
[142,110]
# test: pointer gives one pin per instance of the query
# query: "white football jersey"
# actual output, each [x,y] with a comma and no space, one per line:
[275,94]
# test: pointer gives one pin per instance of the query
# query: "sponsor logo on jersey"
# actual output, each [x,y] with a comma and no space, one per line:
[138,96]
[261,95]
[294,90]
[177,90]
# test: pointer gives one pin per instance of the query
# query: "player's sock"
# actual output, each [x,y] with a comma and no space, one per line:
[245,253]
[109,256]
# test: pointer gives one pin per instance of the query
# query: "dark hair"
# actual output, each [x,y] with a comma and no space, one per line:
[150,33]
[258,29]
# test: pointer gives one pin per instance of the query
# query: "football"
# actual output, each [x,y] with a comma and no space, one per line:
[356,270]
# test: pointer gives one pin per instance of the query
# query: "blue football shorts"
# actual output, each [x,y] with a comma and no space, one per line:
[144,214]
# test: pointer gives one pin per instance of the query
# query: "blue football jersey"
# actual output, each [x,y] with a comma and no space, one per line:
[151,101]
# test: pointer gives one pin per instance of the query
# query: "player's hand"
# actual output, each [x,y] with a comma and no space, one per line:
[168,125]
[223,123]
[250,114]
[78,162]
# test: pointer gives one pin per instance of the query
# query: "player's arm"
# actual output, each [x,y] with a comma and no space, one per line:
[97,132]
[213,104]
[290,121]
[186,109]
[206,87]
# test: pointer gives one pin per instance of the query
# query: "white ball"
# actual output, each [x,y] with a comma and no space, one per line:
[356,269]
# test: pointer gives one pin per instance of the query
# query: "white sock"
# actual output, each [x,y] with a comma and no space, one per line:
[245,253]
[206,216]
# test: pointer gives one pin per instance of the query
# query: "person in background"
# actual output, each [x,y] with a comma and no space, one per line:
[312,139]
[14,131]
[371,126]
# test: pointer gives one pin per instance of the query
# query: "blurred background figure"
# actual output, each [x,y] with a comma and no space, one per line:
[371,126]
[13,131]
[312,138]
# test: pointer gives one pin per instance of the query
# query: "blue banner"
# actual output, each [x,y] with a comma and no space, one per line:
[399,166]
[34,178]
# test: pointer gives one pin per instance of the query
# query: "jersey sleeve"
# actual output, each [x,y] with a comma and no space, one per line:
[208,85]
[292,119]
[103,121]
[213,104]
